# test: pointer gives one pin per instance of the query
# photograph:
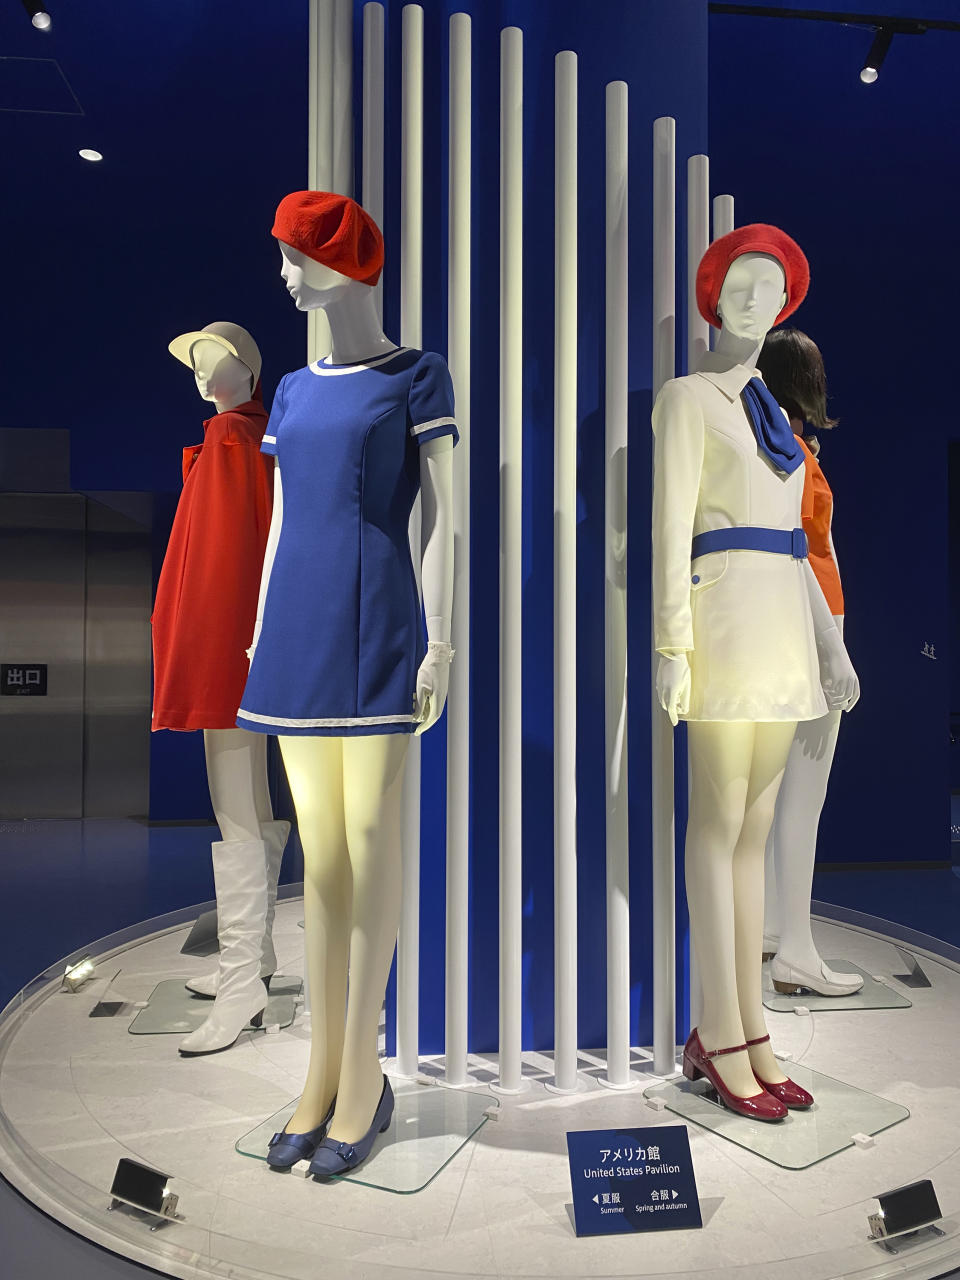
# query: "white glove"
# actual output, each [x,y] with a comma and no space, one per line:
[673,685]
[433,680]
[841,688]
[258,626]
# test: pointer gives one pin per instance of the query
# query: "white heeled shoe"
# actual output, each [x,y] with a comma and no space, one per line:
[771,946]
[790,980]
[275,835]
[239,872]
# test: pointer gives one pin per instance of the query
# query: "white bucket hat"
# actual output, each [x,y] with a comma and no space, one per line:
[232,337]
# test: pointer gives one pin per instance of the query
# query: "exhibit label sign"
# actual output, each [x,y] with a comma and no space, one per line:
[632,1180]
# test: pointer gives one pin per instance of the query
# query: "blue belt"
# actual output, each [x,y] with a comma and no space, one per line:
[782,542]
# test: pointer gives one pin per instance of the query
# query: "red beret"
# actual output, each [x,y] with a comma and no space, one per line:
[758,237]
[333,230]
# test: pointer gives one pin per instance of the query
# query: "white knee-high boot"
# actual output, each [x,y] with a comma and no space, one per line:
[239,873]
[275,836]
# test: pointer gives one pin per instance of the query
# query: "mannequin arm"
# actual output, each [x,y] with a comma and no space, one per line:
[678,460]
[273,537]
[436,549]
[840,684]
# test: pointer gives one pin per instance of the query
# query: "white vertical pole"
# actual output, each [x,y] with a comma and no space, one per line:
[722,216]
[565,573]
[341,122]
[698,343]
[664,367]
[411,297]
[615,589]
[698,238]
[458,699]
[511,562]
[371,179]
[320,139]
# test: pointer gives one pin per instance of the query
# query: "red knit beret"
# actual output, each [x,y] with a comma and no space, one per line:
[333,230]
[757,237]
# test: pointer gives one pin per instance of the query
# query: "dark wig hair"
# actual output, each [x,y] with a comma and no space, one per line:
[792,368]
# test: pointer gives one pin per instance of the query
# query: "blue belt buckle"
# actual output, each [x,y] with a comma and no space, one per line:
[798,548]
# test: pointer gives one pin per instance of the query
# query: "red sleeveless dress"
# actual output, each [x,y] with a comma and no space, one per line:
[206,604]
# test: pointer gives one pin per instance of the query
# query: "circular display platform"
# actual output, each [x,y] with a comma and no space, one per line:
[77,1093]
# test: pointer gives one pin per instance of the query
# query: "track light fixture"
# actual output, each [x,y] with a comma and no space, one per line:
[37,14]
[885,26]
[878,51]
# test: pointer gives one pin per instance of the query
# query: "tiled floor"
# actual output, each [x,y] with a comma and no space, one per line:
[78,1093]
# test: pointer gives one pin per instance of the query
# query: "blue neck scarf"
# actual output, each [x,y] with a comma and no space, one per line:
[774,435]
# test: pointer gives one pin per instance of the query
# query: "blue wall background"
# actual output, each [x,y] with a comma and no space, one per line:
[865,178]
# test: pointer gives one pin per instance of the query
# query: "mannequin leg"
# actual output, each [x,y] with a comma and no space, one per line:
[373,769]
[719,756]
[314,769]
[771,897]
[236,759]
[261,783]
[240,878]
[237,771]
[795,835]
[735,771]
[771,748]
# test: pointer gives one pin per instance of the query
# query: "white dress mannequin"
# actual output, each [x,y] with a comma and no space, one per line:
[252,842]
[736,760]
[348,790]
[788,943]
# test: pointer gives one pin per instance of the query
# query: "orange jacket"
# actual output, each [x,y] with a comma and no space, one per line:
[817,515]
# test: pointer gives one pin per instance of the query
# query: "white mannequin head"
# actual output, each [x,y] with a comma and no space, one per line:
[752,296]
[220,376]
[311,284]
[349,305]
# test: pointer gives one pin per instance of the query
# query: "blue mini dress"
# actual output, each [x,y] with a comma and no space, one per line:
[342,634]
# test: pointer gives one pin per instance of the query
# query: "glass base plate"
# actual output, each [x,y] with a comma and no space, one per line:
[430,1125]
[872,995]
[172,1008]
[801,1139]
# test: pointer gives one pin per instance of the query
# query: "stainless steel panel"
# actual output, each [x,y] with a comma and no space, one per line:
[42,620]
[117,692]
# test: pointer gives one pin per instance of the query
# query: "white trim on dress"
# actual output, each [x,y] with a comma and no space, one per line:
[357,366]
[269,439]
[434,422]
[293,723]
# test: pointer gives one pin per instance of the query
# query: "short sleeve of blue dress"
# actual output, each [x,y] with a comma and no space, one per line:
[269,444]
[343,634]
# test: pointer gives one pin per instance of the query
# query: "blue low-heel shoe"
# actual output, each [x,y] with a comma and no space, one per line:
[334,1158]
[285,1149]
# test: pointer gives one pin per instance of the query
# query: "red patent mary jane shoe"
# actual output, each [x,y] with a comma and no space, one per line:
[788,1091]
[697,1062]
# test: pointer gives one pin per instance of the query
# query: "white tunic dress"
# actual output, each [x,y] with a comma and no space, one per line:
[743,617]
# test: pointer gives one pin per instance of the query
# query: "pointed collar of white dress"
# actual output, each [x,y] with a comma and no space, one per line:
[726,377]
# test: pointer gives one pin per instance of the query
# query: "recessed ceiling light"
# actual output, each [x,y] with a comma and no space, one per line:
[87,153]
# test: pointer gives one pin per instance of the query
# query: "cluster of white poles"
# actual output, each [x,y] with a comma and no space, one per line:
[330,141]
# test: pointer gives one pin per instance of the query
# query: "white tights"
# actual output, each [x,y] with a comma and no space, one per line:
[735,774]
[237,778]
[792,845]
[348,794]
